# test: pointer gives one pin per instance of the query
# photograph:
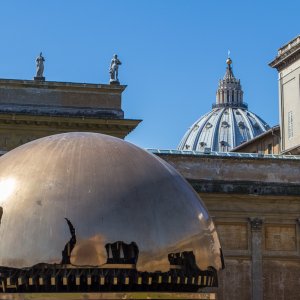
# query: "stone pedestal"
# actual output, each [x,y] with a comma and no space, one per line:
[108,295]
[39,78]
[112,81]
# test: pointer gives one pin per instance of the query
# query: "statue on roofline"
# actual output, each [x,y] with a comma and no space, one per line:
[40,67]
[114,70]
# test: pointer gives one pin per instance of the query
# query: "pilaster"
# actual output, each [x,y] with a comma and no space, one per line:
[257,271]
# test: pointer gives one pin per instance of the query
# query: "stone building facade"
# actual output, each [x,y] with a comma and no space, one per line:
[255,203]
[31,109]
[287,63]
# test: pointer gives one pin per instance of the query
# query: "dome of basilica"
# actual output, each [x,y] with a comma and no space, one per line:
[98,190]
[228,124]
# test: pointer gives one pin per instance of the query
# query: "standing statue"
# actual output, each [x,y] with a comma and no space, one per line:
[113,70]
[40,67]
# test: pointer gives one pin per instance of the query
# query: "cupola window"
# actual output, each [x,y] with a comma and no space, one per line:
[225,124]
[241,125]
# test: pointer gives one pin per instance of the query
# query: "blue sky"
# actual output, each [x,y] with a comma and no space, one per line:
[173,53]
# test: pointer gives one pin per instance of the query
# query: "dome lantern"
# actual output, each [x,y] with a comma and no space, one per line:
[229,93]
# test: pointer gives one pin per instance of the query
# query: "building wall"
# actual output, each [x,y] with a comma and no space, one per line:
[33,109]
[262,262]
[269,143]
[255,204]
[289,102]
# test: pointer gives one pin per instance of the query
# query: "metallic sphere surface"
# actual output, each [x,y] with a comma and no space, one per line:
[110,190]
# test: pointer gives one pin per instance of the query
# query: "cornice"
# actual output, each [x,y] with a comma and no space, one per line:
[244,187]
[286,59]
[61,122]
[64,86]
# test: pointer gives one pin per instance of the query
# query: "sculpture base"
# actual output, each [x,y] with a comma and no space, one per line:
[125,295]
[39,78]
[112,81]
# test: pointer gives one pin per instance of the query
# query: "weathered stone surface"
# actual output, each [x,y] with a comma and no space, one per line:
[256,251]
[239,190]
[235,280]
[233,236]
[210,167]
[281,279]
[280,237]
[34,109]
[250,205]
[245,187]
[53,98]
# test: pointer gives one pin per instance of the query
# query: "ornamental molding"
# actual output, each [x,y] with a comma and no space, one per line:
[256,223]
[285,60]
[68,124]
